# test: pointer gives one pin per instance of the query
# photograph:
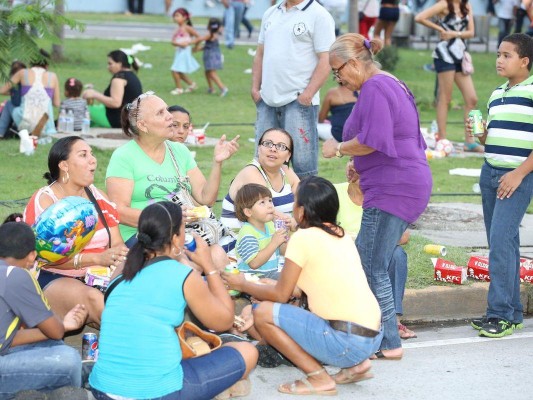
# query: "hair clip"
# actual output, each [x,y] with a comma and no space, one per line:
[130,59]
[366,42]
[71,82]
[18,219]
[129,106]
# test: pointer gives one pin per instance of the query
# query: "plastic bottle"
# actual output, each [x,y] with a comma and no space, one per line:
[434,128]
[70,122]
[62,121]
[86,123]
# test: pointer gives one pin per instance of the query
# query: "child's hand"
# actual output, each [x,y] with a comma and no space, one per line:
[280,236]
[509,182]
[75,318]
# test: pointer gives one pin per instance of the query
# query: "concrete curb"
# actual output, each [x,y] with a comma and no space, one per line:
[446,303]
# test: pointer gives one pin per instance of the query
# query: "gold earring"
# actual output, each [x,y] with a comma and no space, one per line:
[65,178]
[178,253]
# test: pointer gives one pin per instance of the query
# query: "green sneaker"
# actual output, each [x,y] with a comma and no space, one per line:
[517,325]
[478,323]
[496,328]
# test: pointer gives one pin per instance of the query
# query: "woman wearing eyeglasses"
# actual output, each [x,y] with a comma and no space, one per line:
[150,168]
[269,168]
[382,135]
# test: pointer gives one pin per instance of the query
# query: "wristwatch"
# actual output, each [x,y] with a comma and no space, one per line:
[338,152]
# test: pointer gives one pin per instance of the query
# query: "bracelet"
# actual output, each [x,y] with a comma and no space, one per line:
[338,152]
[77,260]
[212,272]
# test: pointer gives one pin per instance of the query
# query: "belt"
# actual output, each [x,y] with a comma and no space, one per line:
[353,328]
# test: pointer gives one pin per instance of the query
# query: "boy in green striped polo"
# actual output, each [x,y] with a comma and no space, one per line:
[506,182]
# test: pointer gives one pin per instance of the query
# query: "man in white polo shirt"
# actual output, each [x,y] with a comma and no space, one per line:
[290,66]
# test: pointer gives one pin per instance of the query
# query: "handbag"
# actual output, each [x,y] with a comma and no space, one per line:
[210,229]
[466,64]
[196,342]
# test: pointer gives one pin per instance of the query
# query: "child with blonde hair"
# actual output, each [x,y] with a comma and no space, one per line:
[184,62]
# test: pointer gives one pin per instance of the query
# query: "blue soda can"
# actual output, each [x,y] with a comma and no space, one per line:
[190,243]
[89,346]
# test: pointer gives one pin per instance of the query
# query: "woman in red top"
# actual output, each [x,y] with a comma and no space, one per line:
[71,166]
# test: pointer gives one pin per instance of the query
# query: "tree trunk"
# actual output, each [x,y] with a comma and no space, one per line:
[353,17]
[59,31]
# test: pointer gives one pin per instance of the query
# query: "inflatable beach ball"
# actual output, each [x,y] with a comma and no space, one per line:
[64,229]
[444,145]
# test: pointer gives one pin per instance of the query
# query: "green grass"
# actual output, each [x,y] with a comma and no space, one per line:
[235,114]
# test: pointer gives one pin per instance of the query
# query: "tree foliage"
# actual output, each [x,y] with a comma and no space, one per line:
[21,26]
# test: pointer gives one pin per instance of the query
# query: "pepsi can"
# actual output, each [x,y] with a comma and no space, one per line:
[89,346]
[190,243]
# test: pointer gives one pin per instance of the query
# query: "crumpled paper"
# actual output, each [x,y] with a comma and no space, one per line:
[26,143]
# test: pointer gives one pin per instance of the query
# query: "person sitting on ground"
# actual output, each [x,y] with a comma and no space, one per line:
[14,101]
[338,102]
[259,243]
[150,168]
[349,217]
[342,328]
[71,166]
[181,121]
[149,303]
[270,168]
[123,88]
[74,102]
[33,358]
[39,94]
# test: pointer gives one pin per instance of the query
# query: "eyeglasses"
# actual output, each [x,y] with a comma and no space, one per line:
[337,71]
[279,146]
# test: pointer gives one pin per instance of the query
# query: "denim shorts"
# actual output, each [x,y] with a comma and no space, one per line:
[320,340]
[391,14]
[203,377]
[443,66]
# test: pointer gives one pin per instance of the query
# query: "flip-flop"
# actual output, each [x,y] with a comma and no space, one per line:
[346,377]
[405,333]
[308,389]
[473,147]
[380,356]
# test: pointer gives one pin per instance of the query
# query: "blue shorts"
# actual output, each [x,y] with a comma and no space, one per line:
[391,14]
[203,377]
[320,340]
[443,66]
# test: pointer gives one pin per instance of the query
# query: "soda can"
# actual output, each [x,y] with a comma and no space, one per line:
[476,118]
[190,243]
[89,346]
[233,269]
[435,249]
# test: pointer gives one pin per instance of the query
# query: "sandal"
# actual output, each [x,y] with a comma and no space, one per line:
[177,91]
[473,147]
[405,333]
[191,87]
[307,388]
[378,355]
[344,376]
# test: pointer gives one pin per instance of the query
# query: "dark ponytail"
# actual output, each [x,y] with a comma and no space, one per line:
[127,61]
[158,223]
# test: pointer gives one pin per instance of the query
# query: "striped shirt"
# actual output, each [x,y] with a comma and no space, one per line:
[510,125]
[251,241]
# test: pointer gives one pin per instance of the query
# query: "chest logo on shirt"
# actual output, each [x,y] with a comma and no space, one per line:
[299,29]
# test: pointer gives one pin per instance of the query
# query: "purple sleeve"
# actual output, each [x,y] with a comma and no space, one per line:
[376,119]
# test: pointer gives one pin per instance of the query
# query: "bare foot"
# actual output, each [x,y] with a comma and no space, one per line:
[75,318]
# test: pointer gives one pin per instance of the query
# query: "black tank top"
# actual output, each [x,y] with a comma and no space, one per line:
[131,91]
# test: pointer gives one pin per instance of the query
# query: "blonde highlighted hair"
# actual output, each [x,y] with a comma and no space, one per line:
[355,46]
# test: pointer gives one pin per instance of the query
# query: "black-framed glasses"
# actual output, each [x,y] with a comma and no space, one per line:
[279,146]
[337,71]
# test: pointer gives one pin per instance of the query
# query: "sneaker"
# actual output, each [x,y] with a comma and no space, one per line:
[230,337]
[496,328]
[224,92]
[269,357]
[517,325]
[177,91]
[478,323]
[210,91]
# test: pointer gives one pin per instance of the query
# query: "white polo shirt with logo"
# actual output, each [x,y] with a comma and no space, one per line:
[291,39]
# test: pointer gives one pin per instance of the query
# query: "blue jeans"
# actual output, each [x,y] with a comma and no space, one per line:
[502,220]
[238,7]
[378,237]
[44,365]
[398,277]
[5,118]
[203,377]
[229,26]
[320,340]
[301,122]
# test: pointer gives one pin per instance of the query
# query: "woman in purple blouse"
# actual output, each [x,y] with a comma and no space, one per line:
[382,135]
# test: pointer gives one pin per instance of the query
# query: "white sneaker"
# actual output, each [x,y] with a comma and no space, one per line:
[177,91]
[224,92]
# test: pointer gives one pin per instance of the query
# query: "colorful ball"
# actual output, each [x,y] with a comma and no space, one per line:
[64,229]
[444,145]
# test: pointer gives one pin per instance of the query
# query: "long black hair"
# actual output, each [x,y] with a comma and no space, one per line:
[60,151]
[320,202]
[463,7]
[158,223]
[127,61]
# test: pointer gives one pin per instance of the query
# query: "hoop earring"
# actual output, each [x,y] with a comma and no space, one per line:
[178,253]
[65,178]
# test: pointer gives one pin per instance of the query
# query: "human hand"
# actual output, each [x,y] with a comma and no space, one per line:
[89,94]
[304,99]
[225,149]
[256,95]
[448,35]
[351,173]
[201,255]
[233,281]
[114,256]
[188,214]
[75,318]
[244,321]
[329,148]
[509,182]
[280,236]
